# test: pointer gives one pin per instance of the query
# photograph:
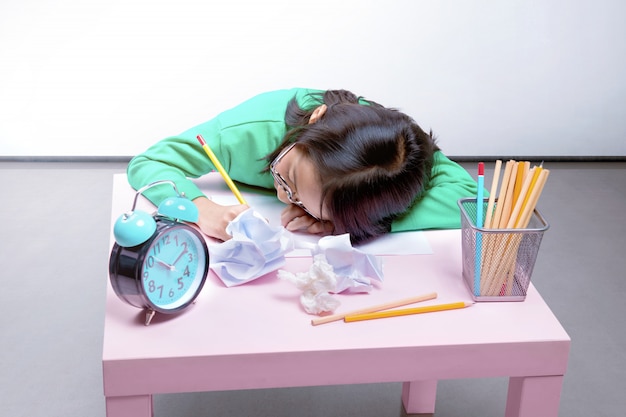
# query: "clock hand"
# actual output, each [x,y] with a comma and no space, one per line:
[162,263]
[181,255]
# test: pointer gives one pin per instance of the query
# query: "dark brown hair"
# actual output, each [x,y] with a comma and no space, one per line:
[372,161]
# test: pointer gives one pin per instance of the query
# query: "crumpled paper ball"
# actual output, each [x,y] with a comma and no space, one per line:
[337,267]
[316,285]
[256,249]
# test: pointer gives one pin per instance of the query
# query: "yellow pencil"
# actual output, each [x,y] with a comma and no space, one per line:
[519,181]
[221,170]
[535,177]
[520,199]
[495,221]
[508,198]
[386,306]
[406,311]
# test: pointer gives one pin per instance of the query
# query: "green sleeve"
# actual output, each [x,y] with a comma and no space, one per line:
[437,207]
[240,138]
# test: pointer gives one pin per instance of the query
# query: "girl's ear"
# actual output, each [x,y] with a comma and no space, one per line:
[318,113]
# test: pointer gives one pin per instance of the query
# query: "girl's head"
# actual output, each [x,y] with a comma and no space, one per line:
[369,162]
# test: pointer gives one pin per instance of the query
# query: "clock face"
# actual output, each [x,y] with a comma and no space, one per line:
[173,268]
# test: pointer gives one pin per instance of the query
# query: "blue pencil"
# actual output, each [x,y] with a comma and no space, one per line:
[479,224]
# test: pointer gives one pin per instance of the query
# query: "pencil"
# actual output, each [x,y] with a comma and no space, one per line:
[479,224]
[492,193]
[533,182]
[508,198]
[499,221]
[406,311]
[503,212]
[386,306]
[519,181]
[495,222]
[533,199]
[521,198]
[221,170]
[489,214]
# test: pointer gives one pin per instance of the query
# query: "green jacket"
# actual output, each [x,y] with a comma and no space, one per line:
[242,136]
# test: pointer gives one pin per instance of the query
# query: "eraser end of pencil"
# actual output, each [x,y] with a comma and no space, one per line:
[201,140]
[481,168]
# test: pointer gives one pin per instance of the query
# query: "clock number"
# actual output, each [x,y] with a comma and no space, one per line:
[156,249]
[186,273]
[152,288]
[171,293]
[181,284]
[150,262]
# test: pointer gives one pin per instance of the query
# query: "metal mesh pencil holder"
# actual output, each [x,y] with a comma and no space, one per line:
[498,263]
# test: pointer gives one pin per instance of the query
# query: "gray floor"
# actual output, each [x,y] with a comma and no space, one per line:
[53,257]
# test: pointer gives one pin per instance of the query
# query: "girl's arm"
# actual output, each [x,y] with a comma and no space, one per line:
[179,159]
[176,159]
[240,138]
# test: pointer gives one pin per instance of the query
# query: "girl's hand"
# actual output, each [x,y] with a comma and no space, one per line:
[213,217]
[294,219]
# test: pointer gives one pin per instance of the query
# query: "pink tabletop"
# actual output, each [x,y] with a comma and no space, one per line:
[257,335]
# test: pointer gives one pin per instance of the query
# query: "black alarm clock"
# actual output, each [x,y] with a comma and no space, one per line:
[159,262]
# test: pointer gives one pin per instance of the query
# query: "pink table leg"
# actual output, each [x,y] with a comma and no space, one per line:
[534,396]
[132,406]
[418,397]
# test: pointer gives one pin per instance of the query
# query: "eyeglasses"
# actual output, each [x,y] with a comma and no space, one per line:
[281,181]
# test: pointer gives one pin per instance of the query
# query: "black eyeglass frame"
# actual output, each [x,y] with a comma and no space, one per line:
[281,181]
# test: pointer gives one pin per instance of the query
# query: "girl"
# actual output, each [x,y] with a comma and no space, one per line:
[342,164]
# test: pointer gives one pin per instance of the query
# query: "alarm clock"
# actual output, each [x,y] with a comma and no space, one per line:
[159,262]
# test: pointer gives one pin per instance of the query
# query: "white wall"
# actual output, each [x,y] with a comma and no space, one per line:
[514,77]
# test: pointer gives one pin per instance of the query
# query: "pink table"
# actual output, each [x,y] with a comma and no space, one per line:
[257,336]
